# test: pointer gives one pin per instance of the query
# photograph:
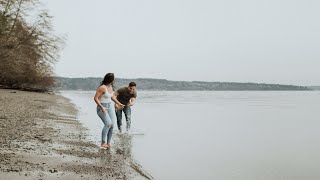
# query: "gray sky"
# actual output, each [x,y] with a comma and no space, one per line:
[270,41]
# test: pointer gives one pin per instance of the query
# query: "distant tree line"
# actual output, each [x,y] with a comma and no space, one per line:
[28,47]
[165,85]
[317,88]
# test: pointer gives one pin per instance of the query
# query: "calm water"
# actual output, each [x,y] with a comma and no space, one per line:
[220,135]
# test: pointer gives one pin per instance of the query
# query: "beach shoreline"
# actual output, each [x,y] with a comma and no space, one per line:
[41,138]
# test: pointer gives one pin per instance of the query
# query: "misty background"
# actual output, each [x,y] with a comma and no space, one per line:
[229,41]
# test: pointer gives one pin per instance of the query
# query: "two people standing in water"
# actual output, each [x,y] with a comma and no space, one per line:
[122,98]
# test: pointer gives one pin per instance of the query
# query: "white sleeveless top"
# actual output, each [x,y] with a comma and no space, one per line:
[106,97]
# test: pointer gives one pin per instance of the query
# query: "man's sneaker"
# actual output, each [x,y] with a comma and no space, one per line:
[120,130]
[128,131]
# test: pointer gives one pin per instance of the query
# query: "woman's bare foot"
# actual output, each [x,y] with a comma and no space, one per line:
[109,145]
[104,146]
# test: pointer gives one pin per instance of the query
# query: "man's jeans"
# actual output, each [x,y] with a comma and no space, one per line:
[127,113]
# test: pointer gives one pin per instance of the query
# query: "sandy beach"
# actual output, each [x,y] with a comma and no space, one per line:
[41,138]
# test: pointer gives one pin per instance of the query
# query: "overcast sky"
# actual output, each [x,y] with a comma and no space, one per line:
[269,41]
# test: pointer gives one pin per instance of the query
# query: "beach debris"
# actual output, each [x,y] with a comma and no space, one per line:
[53,170]
[14,170]
[3,117]
[140,170]
[119,151]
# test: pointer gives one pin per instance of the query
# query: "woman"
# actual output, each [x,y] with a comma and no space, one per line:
[105,109]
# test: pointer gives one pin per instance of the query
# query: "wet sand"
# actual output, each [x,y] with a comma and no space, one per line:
[41,138]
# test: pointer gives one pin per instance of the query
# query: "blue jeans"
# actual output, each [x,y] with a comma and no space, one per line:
[127,113]
[107,118]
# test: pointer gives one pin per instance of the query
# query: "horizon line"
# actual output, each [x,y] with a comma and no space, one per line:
[198,81]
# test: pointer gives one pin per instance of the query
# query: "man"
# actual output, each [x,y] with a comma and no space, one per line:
[126,96]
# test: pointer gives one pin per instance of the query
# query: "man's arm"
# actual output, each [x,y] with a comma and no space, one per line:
[132,101]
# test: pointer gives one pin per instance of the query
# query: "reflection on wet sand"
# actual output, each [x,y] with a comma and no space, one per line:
[123,147]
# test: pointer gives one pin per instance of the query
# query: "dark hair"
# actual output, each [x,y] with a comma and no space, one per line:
[108,78]
[132,84]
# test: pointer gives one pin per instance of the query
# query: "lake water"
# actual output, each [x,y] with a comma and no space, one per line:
[220,135]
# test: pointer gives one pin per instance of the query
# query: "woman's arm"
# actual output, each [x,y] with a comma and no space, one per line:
[114,98]
[99,92]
